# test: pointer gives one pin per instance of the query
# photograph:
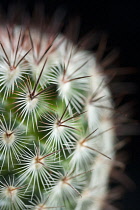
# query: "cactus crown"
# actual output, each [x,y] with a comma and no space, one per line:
[56,136]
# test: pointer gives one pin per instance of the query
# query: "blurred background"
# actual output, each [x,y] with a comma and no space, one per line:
[121,21]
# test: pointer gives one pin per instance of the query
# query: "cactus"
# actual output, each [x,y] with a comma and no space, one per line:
[56,126]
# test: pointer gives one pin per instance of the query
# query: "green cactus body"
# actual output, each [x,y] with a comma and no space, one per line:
[56,127]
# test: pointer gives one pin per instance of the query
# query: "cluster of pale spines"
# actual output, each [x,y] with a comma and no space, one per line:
[62,106]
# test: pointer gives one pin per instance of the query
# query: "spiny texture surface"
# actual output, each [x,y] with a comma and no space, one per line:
[56,129]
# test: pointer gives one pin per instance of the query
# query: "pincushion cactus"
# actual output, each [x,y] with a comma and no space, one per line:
[56,126]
